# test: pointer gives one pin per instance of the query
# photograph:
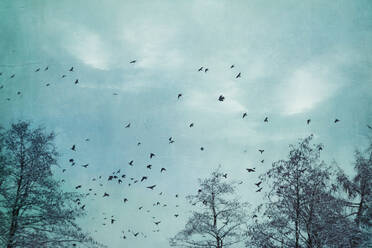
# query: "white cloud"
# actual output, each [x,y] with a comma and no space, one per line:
[308,86]
[88,47]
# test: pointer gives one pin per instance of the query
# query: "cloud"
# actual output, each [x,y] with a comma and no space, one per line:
[309,85]
[88,47]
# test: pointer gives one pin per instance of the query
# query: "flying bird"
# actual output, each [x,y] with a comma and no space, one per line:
[149,166]
[131,163]
[128,125]
[261,151]
[179,96]
[201,148]
[106,194]
[308,121]
[200,69]
[73,148]
[239,75]
[151,187]
[369,126]
[191,125]
[336,120]
[244,115]
[259,190]
[162,170]
[71,69]
[221,98]
[152,155]
[250,170]
[143,178]
[266,119]
[78,187]
[206,69]
[258,184]
[76,81]
[46,68]
[12,76]
[133,61]
[85,165]
[38,69]
[232,66]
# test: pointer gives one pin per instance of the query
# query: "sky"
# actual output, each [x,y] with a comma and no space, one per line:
[298,60]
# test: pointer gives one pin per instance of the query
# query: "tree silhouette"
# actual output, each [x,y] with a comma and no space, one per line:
[34,211]
[219,222]
[303,208]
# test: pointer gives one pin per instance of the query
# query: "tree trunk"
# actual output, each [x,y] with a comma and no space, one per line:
[16,208]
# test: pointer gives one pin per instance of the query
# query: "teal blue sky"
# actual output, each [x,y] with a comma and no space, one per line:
[298,60]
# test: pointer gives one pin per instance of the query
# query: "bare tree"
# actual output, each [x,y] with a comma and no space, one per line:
[34,211]
[302,209]
[219,222]
[359,190]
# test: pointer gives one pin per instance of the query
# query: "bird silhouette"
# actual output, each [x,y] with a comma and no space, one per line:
[131,163]
[143,178]
[200,69]
[369,126]
[162,170]
[71,69]
[259,190]
[73,148]
[152,155]
[221,98]
[133,61]
[157,223]
[12,76]
[258,184]
[38,69]
[266,119]
[78,187]
[191,125]
[244,115]
[149,166]
[76,81]
[128,125]
[106,194]
[46,68]
[308,121]
[336,120]
[201,148]
[232,66]
[85,165]
[63,76]
[206,70]
[250,170]
[261,151]
[239,75]
[179,96]
[125,200]
[151,187]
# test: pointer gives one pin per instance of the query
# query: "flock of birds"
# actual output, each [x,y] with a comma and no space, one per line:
[119,177]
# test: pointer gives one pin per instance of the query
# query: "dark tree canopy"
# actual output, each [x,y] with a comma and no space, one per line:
[34,211]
